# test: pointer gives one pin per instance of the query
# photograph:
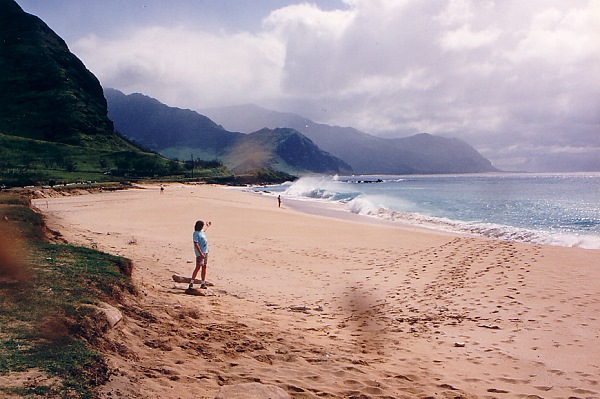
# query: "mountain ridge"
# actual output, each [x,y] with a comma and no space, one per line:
[366,154]
[179,133]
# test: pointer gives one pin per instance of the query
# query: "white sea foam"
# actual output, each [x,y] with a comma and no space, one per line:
[519,199]
[362,206]
[322,188]
[495,231]
[378,205]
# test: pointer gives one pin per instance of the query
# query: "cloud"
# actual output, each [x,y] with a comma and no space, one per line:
[548,158]
[464,38]
[494,73]
[187,68]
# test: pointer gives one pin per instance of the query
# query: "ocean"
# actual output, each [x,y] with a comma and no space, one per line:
[561,209]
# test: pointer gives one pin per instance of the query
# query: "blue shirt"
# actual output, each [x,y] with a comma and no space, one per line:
[200,238]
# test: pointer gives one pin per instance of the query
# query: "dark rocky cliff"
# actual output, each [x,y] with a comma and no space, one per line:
[46,93]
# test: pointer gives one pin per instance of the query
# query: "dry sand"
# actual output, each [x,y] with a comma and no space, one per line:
[331,308]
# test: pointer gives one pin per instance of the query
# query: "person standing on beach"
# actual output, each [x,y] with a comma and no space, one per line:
[279,200]
[201,251]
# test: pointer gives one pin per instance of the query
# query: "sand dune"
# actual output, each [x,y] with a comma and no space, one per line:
[329,308]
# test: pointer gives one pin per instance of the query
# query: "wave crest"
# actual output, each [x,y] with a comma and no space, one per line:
[347,191]
[322,188]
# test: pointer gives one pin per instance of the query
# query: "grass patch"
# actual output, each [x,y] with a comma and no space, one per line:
[76,365]
[22,220]
[26,161]
[48,321]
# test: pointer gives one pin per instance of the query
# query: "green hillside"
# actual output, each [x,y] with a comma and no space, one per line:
[27,161]
[281,149]
[53,115]
[46,93]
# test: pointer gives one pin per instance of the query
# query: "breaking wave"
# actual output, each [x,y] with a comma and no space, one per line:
[383,204]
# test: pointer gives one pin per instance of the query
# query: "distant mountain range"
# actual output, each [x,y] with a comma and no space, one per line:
[283,141]
[366,154]
[180,133]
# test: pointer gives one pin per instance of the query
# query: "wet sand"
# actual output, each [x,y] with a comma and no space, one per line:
[323,307]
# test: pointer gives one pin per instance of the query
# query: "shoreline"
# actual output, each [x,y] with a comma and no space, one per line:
[415,220]
[337,308]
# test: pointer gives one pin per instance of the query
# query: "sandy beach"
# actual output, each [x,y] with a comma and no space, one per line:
[323,307]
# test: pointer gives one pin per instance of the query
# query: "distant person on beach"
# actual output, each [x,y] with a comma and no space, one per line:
[279,200]
[162,189]
[201,251]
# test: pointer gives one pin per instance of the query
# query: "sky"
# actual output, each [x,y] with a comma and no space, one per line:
[518,80]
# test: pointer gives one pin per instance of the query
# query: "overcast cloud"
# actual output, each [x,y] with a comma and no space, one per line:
[519,80]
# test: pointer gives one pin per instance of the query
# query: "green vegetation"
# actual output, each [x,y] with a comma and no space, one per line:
[29,162]
[259,176]
[46,91]
[48,321]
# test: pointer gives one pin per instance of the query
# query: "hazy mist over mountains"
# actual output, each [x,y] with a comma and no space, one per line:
[286,141]
[367,154]
[179,133]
